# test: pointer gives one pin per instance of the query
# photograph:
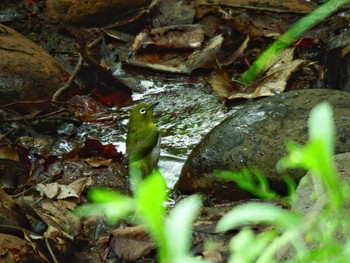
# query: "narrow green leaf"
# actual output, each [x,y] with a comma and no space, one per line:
[321,126]
[246,240]
[150,197]
[112,210]
[317,154]
[179,226]
[293,34]
[250,180]
[100,195]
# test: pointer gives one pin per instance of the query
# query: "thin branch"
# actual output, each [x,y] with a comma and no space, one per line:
[31,117]
[70,81]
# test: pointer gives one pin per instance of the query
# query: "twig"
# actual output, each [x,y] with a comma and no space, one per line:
[23,102]
[30,117]
[95,42]
[253,8]
[71,79]
[49,179]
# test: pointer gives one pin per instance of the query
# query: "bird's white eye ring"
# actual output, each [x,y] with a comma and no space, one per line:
[143,111]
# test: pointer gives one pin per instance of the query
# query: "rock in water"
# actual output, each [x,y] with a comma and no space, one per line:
[255,136]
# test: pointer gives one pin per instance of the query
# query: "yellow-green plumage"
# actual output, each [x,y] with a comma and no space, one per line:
[143,140]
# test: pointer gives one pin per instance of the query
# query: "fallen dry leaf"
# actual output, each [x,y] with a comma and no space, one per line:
[15,249]
[213,256]
[131,243]
[79,185]
[92,12]
[60,191]
[181,62]
[170,12]
[8,151]
[255,25]
[49,190]
[274,81]
[12,173]
[171,37]
[221,82]
[205,57]
[10,214]
[239,51]
[58,216]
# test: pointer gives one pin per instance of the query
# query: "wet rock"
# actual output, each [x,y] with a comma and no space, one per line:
[27,72]
[255,136]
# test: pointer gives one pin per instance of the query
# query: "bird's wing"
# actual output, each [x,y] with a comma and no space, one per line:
[145,146]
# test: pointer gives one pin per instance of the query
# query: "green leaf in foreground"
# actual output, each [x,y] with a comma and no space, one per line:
[150,197]
[317,154]
[321,127]
[179,229]
[252,181]
[253,213]
[100,195]
[112,205]
[245,241]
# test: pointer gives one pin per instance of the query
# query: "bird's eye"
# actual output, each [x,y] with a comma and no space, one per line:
[143,111]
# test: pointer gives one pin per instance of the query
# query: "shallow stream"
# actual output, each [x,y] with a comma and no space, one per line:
[187,110]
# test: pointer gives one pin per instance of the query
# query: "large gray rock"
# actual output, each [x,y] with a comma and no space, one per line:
[255,136]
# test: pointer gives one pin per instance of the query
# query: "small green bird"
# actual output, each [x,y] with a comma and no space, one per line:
[143,141]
